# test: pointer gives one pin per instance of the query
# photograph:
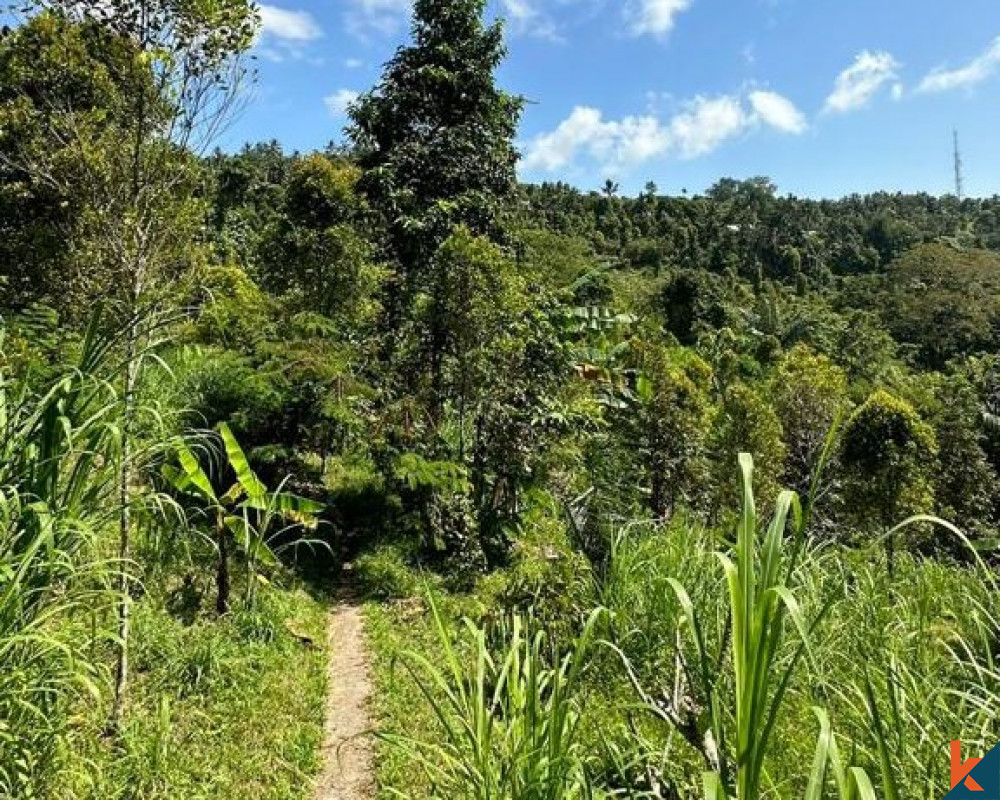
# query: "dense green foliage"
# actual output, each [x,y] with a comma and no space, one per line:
[226,374]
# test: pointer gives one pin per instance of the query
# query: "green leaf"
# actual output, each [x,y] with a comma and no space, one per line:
[712,783]
[821,759]
[191,478]
[250,541]
[256,491]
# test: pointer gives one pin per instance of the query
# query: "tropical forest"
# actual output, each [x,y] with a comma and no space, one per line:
[377,471]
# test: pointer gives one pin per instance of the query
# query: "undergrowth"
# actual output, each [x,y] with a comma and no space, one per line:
[865,679]
[229,707]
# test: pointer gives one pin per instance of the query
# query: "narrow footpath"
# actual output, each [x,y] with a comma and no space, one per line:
[347,745]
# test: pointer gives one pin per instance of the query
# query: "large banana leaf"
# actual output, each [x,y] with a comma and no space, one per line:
[254,488]
[300,510]
[190,478]
[292,507]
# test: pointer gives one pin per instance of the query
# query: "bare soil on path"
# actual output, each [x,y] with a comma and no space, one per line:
[347,745]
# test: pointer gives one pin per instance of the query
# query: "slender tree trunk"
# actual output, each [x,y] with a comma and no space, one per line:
[136,264]
[125,480]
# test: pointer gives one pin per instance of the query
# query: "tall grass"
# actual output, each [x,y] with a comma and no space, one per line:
[727,702]
[509,720]
[778,668]
[59,452]
[798,634]
[57,471]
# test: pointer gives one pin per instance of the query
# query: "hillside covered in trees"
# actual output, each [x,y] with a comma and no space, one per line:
[228,375]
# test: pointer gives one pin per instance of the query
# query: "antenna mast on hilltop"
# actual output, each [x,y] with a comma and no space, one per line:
[959,178]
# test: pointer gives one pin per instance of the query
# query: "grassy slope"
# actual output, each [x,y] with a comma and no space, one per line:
[219,709]
[909,629]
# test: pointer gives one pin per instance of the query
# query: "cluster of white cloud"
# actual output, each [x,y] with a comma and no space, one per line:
[285,33]
[859,83]
[983,66]
[526,18]
[656,17]
[338,102]
[381,17]
[699,128]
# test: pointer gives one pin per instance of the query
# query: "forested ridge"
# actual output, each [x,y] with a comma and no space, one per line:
[711,479]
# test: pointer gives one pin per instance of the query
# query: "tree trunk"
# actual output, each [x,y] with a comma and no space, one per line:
[136,265]
[125,480]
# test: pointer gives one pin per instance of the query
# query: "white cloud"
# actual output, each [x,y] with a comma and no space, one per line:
[288,26]
[382,17]
[528,19]
[583,129]
[860,82]
[353,63]
[706,124]
[700,127]
[778,112]
[976,71]
[656,17]
[898,91]
[285,33]
[338,102]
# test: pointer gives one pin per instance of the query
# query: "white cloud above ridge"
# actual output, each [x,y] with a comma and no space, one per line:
[982,67]
[338,102]
[702,126]
[779,112]
[857,85]
[706,123]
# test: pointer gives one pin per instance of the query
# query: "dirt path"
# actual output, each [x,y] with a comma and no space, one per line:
[347,746]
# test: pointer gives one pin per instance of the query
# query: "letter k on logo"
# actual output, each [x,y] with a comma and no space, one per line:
[977,778]
[960,770]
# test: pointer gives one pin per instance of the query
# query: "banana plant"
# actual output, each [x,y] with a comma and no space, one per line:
[244,514]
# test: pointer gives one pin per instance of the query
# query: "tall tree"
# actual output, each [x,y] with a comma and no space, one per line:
[435,142]
[668,421]
[313,252]
[809,392]
[49,66]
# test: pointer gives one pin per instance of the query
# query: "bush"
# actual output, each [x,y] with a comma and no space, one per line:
[385,573]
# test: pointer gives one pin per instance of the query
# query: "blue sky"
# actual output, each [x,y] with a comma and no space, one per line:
[826,97]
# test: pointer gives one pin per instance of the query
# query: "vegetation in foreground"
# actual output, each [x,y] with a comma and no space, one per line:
[690,665]
[222,372]
[218,709]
